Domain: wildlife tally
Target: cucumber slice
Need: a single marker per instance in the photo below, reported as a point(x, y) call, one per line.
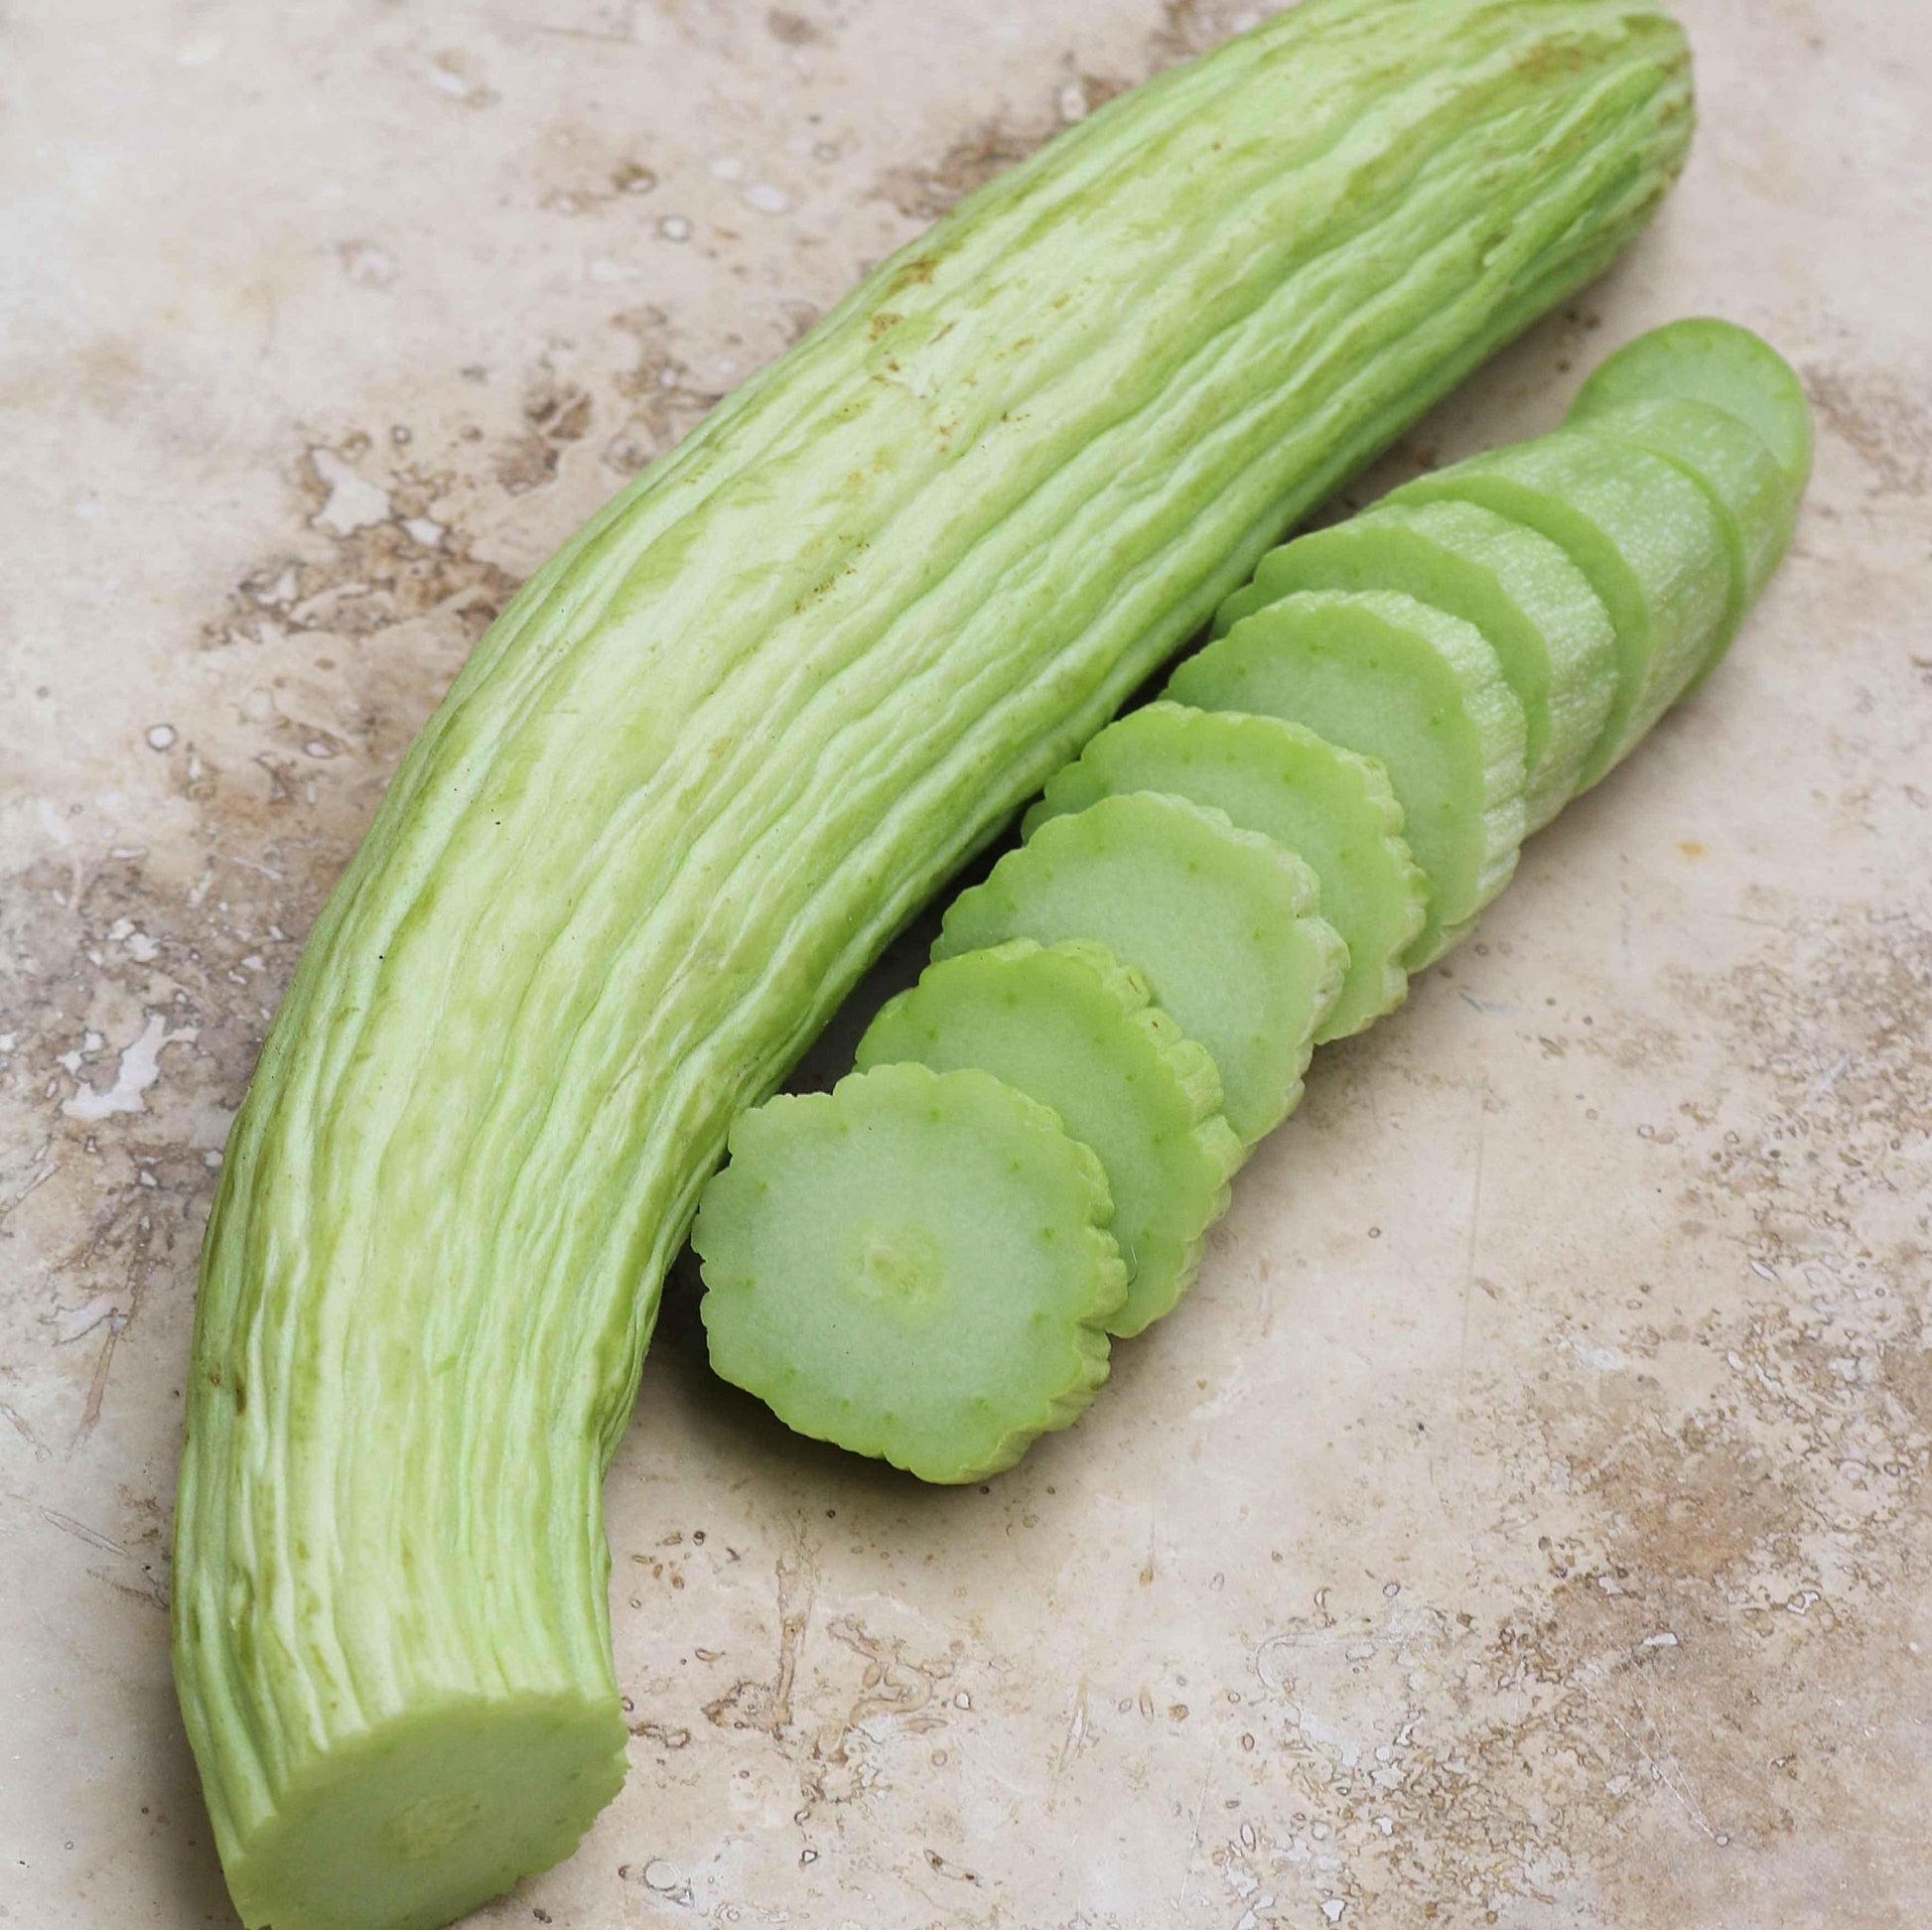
point(1756, 504)
point(1645, 535)
point(914, 1265)
point(1704, 359)
point(1388, 677)
point(1073, 1027)
point(1222, 922)
point(1548, 626)
point(1334, 810)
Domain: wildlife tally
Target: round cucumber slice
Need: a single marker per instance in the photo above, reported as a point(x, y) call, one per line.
point(1548, 626)
point(1391, 678)
point(914, 1265)
point(1073, 1027)
point(1645, 535)
point(1326, 805)
point(1705, 359)
point(1222, 924)
point(1756, 506)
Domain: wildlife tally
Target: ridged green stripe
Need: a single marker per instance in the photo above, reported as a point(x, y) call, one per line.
point(722, 747)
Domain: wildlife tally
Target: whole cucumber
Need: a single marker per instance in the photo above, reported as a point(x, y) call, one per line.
point(704, 766)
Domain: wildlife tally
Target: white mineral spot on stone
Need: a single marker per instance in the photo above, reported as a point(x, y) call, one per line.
point(447, 81)
point(674, 227)
point(1664, 1640)
point(766, 198)
point(367, 265)
point(728, 167)
point(661, 1875)
point(161, 736)
point(319, 747)
point(8, 1040)
point(203, 51)
point(424, 529)
point(1073, 102)
point(1333, 1908)
point(606, 269)
point(140, 1068)
point(353, 502)
point(88, 510)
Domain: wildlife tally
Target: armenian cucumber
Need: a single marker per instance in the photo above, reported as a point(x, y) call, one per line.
point(1415, 688)
point(692, 781)
point(1331, 807)
point(916, 1265)
point(1222, 924)
point(1549, 628)
point(1645, 535)
point(1072, 1026)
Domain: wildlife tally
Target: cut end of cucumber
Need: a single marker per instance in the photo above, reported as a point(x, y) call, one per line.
point(914, 1266)
point(1705, 359)
point(430, 1815)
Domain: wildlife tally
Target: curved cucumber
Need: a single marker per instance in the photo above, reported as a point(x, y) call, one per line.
point(1417, 690)
point(1325, 804)
point(1704, 359)
point(687, 787)
point(1645, 535)
point(1073, 1027)
point(1548, 626)
point(1222, 924)
point(1757, 507)
point(914, 1265)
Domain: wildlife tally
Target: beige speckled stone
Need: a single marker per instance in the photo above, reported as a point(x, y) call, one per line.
point(1525, 1523)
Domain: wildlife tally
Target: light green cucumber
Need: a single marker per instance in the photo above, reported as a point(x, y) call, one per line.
point(1549, 628)
point(1705, 359)
point(1222, 924)
point(1756, 508)
point(1417, 690)
point(716, 753)
point(914, 1265)
point(1072, 1026)
point(1331, 807)
point(1646, 536)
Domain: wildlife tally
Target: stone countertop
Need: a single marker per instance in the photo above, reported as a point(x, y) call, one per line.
point(1524, 1523)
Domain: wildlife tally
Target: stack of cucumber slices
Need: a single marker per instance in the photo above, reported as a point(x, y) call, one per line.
point(927, 1263)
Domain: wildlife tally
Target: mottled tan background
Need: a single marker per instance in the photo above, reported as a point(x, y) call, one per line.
point(1526, 1521)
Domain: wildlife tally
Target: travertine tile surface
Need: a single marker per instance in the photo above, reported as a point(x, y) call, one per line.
point(1525, 1523)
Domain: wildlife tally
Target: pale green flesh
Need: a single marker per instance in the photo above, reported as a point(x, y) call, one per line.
point(1549, 628)
point(1072, 1028)
point(1415, 689)
point(709, 761)
point(1758, 509)
point(1331, 807)
point(1645, 535)
point(1222, 922)
point(1704, 359)
point(914, 1265)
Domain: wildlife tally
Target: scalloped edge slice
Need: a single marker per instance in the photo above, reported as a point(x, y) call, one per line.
point(1222, 922)
point(1331, 807)
point(1549, 628)
point(1704, 358)
point(1072, 1026)
point(1421, 691)
point(914, 1266)
point(1646, 536)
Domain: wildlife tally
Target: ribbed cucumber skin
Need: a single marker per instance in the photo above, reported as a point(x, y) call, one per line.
point(714, 756)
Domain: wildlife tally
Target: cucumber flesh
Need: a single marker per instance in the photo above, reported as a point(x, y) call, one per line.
point(1548, 626)
point(1332, 808)
point(1222, 922)
point(1645, 535)
point(916, 1265)
point(1756, 506)
point(1704, 359)
point(1073, 1027)
point(1391, 678)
